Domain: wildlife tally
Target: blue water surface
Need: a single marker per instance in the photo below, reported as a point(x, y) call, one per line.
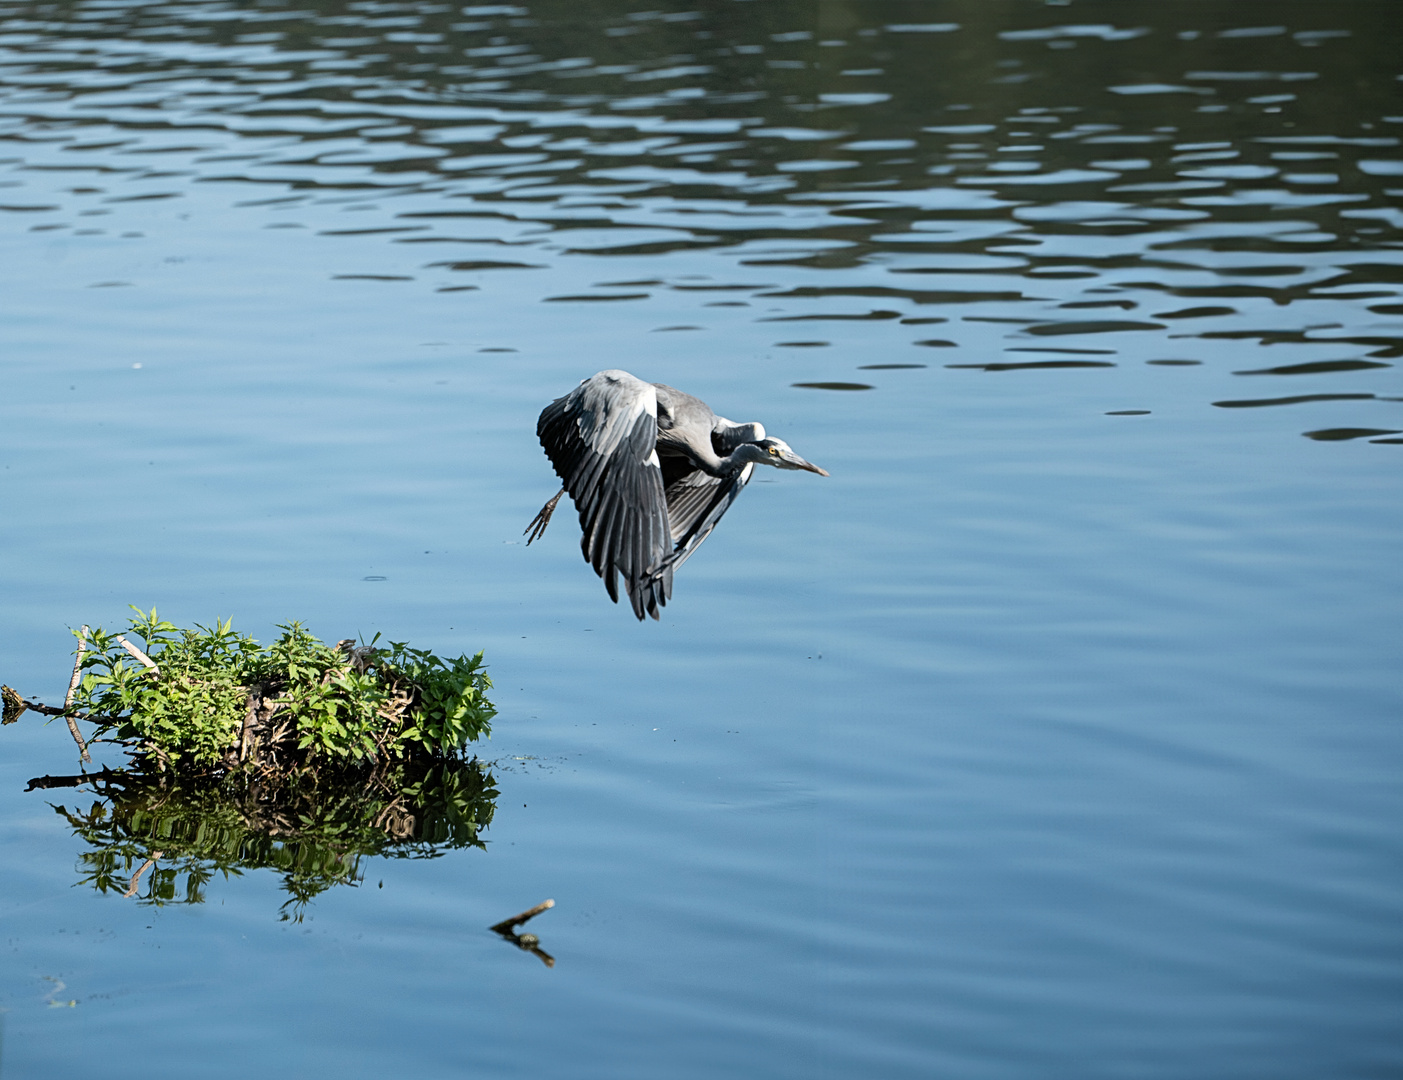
point(1055, 734)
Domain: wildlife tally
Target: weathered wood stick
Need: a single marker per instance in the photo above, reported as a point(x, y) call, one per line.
point(141, 657)
point(73, 689)
point(77, 666)
point(507, 926)
point(46, 782)
point(18, 704)
point(255, 702)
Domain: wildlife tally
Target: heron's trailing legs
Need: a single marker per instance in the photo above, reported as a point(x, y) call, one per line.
point(541, 520)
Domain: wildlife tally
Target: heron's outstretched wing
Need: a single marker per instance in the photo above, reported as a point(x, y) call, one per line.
point(602, 438)
point(696, 502)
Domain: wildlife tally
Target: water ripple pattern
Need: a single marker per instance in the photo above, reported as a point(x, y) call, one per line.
point(823, 172)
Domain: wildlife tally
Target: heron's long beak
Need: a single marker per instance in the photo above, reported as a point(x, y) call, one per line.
point(794, 461)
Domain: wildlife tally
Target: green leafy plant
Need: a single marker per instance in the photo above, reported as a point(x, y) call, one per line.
point(210, 697)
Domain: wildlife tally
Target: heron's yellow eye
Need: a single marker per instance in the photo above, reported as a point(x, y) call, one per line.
point(774, 450)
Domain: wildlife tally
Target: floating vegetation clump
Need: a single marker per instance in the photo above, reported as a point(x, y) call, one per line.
point(212, 701)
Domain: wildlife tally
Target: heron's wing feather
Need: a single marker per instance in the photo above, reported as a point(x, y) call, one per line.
point(688, 500)
point(602, 438)
point(695, 504)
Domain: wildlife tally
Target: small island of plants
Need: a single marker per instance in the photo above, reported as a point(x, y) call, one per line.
point(212, 701)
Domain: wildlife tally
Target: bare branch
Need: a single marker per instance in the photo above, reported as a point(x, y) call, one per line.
point(251, 724)
point(529, 942)
point(73, 689)
point(141, 657)
point(46, 782)
point(77, 666)
point(14, 704)
point(508, 926)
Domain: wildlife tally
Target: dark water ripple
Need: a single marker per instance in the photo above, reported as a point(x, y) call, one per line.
point(1022, 163)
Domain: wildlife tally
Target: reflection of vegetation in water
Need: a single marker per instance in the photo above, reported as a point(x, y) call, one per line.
point(164, 841)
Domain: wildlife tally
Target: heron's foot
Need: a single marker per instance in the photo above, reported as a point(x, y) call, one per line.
point(541, 520)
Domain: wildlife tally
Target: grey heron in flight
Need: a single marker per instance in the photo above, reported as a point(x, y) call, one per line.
point(651, 471)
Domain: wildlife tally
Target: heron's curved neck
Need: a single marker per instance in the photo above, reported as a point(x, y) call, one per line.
point(743, 455)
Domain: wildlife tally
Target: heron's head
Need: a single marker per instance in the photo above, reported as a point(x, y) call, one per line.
point(776, 452)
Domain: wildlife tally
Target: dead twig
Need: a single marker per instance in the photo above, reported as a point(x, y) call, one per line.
point(136, 878)
point(251, 724)
point(77, 667)
point(14, 705)
point(19, 704)
point(162, 759)
point(527, 942)
point(141, 657)
point(508, 926)
point(73, 689)
point(45, 782)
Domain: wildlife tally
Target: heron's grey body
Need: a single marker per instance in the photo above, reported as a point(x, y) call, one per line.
point(651, 471)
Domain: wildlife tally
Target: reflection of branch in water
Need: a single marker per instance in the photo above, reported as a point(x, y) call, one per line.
point(530, 942)
point(506, 926)
point(136, 878)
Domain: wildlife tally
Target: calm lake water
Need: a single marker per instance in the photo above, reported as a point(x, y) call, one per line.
point(1056, 734)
